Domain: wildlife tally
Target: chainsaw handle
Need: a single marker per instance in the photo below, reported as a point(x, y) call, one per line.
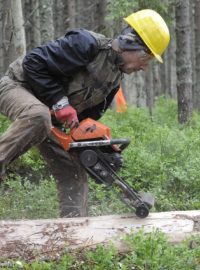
point(123, 142)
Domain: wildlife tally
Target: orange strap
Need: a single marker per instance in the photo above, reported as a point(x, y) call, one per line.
point(121, 105)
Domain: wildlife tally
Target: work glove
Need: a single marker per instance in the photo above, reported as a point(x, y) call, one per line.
point(65, 113)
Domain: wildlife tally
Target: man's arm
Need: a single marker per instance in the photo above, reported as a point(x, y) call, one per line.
point(45, 66)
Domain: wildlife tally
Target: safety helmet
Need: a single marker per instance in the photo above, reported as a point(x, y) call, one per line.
point(152, 29)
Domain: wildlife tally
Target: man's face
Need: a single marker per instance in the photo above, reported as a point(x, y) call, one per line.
point(134, 61)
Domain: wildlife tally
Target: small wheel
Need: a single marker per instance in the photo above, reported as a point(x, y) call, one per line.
point(142, 211)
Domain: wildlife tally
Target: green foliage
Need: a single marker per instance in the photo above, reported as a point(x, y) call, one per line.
point(32, 159)
point(153, 252)
point(122, 8)
point(105, 200)
point(145, 252)
point(119, 9)
point(4, 123)
point(67, 261)
point(19, 198)
point(101, 258)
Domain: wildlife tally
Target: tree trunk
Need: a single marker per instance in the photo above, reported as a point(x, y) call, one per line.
point(59, 18)
point(19, 39)
point(100, 15)
point(9, 53)
point(196, 93)
point(35, 22)
point(90, 14)
point(163, 74)
point(171, 62)
point(13, 33)
point(86, 12)
point(135, 89)
point(1, 39)
point(28, 27)
point(149, 90)
point(72, 13)
point(31, 239)
point(46, 21)
point(172, 69)
point(183, 61)
point(32, 23)
point(156, 83)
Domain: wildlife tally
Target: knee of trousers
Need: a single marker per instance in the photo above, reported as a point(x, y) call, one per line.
point(38, 116)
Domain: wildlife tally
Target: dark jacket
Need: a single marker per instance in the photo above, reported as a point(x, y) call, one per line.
point(45, 66)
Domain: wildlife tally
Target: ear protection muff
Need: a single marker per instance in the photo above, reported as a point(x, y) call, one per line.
point(129, 42)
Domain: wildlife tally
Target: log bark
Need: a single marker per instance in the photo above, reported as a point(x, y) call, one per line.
point(31, 239)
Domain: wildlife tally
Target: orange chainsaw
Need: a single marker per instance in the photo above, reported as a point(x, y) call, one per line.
point(101, 157)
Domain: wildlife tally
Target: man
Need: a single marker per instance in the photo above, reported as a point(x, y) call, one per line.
point(76, 76)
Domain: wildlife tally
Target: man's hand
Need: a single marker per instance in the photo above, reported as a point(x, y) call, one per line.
point(65, 113)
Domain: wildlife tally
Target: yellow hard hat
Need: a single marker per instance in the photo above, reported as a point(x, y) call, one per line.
point(152, 29)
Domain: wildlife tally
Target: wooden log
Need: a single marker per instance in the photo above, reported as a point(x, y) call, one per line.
point(30, 239)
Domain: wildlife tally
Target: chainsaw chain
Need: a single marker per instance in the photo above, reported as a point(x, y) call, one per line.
point(103, 170)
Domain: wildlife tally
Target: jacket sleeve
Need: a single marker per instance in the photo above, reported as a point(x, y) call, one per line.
point(45, 66)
